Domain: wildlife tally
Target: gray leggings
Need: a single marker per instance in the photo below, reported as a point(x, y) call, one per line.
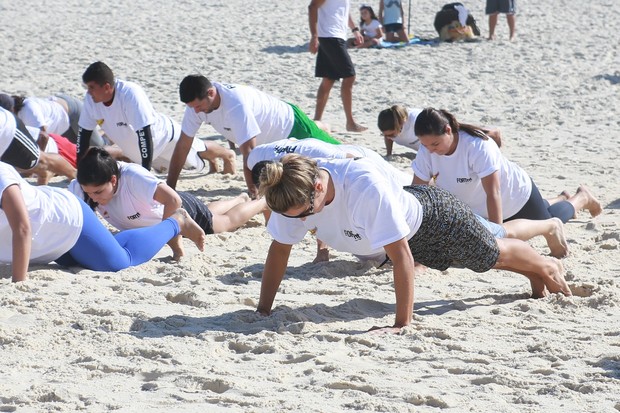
point(75, 108)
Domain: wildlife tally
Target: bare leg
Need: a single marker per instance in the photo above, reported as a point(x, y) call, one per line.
point(346, 93)
point(512, 26)
point(584, 199)
point(54, 163)
point(116, 152)
point(215, 152)
point(237, 215)
point(552, 229)
point(323, 126)
point(492, 25)
point(321, 98)
point(402, 36)
point(224, 205)
point(562, 196)
point(176, 244)
point(517, 256)
point(189, 228)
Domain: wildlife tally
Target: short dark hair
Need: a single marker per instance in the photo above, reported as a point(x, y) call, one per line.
point(99, 73)
point(257, 171)
point(6, 102)
point(194, 87)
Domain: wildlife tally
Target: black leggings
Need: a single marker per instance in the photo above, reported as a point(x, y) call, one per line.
point(538, 208)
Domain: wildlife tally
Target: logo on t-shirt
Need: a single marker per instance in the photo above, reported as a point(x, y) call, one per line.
point(119, 124)
point(463, 180)
point(352, 234)
point(284, 149)
point(134, 216)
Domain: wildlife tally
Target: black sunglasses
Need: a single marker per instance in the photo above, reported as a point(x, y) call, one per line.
point(307, 212)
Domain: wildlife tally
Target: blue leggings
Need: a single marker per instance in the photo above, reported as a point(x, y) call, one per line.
point(538, 208)
point(97, 249)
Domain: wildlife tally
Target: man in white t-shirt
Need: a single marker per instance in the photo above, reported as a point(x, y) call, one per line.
point(242, 114)
point(328, 20)
point(123, 110)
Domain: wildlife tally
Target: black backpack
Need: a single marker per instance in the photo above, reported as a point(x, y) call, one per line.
point(449, 13)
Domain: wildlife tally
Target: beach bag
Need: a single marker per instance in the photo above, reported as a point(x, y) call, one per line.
point(454, 22)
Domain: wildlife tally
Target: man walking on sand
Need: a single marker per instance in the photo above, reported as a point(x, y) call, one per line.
point(328, 21)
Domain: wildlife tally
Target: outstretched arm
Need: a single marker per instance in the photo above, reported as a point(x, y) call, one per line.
point(83, 142)
point(171, 201)
point(245, 149)
point(145, 145)
point(313, 18)
point(181, 149)
point(275, 267)
point(491, 186)
point(19, 221)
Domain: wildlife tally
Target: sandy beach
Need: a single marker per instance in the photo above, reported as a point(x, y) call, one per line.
point(184, 337)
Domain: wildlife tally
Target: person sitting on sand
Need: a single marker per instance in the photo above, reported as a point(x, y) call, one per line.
point(356, 207)
point(463, 160)
point(42, 224)
point(243, 115)
point(128, 196)
point(129, 120)
point(372, 31)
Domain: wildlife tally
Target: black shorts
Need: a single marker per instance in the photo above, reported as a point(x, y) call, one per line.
point(23, 152)
point(392, 27)
point(198, 210)
point(333, 60)
point(501, 6)
point(450, 234)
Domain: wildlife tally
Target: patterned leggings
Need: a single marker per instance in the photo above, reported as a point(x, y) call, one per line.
point(450, 234)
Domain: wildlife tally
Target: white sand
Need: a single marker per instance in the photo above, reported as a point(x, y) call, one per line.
point(164, 337)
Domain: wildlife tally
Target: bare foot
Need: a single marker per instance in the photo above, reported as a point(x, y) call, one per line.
point(189, 228)
point(592, 204)
point(323, 126)
point(556, 239)
point(322, 255)
point(491, 37)
point(556, 282)
point(229, 163)
point(354, 127)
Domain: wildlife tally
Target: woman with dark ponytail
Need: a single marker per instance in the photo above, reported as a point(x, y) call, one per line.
point(128, 196)
point(463, 160)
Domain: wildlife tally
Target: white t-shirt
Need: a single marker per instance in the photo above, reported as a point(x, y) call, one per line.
point(315, 149)
point(461, 172)
point(333, 19)
point(55, 219)
point(38, 112)
point(407, 136)
point(129, 112)
point(7, 129)
point(370, 30)
point(132, 206)
point(310, 147)
point(244, 113)
point(369, 210)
